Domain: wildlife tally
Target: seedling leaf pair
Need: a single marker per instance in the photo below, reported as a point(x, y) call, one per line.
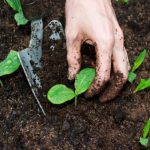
point(10, 64)
point(139, 60)
point(60, 93)
point(144, 139)
point(19, 17)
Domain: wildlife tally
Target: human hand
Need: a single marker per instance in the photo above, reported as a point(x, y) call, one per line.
point(95, 22)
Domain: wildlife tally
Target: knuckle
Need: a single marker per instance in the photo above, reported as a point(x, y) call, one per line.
point(108, 40)
point(119, 35)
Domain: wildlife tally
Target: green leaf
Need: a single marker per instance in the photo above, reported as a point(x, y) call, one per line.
point(146, 129)
point(139, 60)
point(84, 80)
point(144, 141)
point(143, 85)
point(60, 94)
point(20, 19)
point(10, 64)
point(131, 77)
point(15, 4)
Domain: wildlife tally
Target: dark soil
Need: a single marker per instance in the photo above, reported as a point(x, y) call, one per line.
point(116, 125)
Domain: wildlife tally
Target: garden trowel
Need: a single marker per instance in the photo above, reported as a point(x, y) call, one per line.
point(30, 58)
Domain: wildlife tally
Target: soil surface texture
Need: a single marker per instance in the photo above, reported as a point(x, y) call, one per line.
point(116, 125)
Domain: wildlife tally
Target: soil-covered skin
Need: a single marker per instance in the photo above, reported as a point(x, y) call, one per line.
point(116, 125)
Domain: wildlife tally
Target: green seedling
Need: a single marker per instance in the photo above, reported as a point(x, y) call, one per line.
point(143, 85)
point(10, 64)
point(139, 60)
point(19, 17)
point(144, 139)
point(131, 76)
point(60, 93)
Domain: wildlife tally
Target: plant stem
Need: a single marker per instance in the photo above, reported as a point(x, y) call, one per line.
point(76, 101)
point(1, 83)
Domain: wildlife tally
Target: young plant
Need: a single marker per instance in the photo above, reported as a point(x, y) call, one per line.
point(19, 17)
point(139, 60)
point(60, 93)
point(143, 85)
point(10, 64)
point(144, 139)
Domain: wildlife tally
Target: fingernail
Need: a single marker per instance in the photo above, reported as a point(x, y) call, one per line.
point(70, 77)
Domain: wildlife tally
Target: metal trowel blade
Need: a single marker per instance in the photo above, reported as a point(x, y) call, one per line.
point(29, 70)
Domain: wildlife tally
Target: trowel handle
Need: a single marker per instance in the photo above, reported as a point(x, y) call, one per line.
point(36, 41)
point(36, 33)
point(33, 9)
